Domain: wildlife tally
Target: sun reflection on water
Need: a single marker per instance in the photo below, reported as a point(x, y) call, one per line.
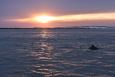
point(45, 34)
point(47, 64)
point(46, 51)
point(44, 54)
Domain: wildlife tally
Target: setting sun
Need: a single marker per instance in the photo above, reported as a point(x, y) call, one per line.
point(44, 19)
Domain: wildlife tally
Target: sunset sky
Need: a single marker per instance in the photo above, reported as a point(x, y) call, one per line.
point(56, 13)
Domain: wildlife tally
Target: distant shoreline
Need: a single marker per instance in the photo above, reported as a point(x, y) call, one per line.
point(82, 27)
point(49, 28)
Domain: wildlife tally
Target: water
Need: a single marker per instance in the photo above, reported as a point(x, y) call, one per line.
point(57, 53)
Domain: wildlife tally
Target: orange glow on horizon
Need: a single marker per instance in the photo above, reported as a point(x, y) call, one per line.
point(66, 18)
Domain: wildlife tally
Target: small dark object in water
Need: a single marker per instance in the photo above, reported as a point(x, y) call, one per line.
point(93, 47)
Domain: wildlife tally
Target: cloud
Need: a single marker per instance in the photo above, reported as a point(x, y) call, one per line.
point(69, 18)
point(87, 17)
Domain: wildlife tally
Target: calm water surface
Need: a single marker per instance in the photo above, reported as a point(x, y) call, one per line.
point(57, 53)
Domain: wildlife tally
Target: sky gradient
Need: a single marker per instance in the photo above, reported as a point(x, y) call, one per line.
point(12, 9)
